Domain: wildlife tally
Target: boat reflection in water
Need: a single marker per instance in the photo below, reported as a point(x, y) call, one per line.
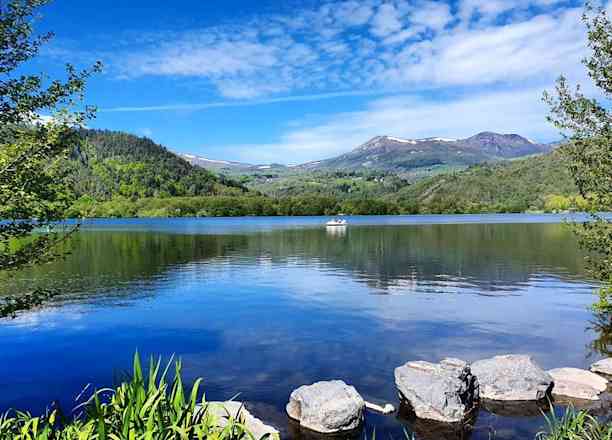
point(336, 227)
point(336, 231)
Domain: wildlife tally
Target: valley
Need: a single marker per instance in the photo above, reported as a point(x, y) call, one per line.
point(116, 174)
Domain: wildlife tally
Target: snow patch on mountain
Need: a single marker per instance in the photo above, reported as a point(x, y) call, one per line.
point(403, 141)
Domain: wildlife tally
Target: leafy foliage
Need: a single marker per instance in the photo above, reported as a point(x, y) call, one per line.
point(589, 150)
point(33, 150)
point(145, 407)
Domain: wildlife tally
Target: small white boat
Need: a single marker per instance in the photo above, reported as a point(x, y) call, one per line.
point(336, 222)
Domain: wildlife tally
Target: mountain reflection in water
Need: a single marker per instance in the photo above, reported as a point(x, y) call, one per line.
point(262, 310)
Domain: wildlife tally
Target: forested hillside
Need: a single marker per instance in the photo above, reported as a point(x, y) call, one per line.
point(116, 174)
point(339, 184)
point(112, 164)
point(535, 183)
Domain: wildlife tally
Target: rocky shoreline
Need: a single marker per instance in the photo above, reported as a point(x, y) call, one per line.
point(445, 395)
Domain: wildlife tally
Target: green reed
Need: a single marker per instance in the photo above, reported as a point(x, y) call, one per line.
point(575, 425)
point(145, 407)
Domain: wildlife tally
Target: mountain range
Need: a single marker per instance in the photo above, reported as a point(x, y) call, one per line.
point(393, 154)
point(118, 174)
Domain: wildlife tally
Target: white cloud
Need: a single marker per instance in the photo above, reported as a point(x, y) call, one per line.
point(496, 55)
point(433, 15)
point(353, 13)
point(404, 35)
point(193, 58)
point(369, 44)
point(247, 88)
point(386, 21)
point(539, 48)
point(409, 116)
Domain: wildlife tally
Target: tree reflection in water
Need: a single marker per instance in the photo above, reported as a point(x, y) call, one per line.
point(601, 325)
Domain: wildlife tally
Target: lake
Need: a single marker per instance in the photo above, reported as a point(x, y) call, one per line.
point(260, 306)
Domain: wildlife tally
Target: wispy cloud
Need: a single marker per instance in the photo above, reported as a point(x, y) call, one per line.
point(431, 67)
point(350, 45)
point(248, 103)
point(409, 116)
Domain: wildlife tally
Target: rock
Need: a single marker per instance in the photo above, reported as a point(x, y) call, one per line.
point(385, 409)
point(237, 410)
point(327, 407)
point(445, 392)
point(603, 366)
point(512, 377)
point(577, 383)
point(432, 430)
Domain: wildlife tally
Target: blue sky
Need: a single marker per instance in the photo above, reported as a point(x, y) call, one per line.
point(293, 81)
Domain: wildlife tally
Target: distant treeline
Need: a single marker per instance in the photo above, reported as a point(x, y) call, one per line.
point(257, 205)
point(227, 206)
point(115, 174)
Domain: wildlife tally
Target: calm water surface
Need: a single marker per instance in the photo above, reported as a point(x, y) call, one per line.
point(261, 306)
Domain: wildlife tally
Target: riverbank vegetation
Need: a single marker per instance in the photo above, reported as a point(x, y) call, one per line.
point(575, 425)
point(146, 406)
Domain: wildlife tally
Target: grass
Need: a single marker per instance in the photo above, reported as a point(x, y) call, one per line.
point(141, 408)
point(575, 425)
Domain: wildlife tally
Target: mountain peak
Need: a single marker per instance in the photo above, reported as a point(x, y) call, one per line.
point(391, 153)
point(490, 136)
point(378, 141)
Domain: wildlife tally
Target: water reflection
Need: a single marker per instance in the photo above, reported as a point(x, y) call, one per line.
point(430, 430)
point(601, 324)
point(263, 311)
point(489, 259)
point(336, 231)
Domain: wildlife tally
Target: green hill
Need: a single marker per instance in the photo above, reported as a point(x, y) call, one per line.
point(112, 164)
point(116, 174)
point(534, 183)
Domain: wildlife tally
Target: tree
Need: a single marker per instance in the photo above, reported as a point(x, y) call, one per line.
point(587, 125)
point(34, 192)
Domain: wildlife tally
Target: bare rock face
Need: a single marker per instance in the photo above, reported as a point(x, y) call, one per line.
point(603, 366)
point(445, 392)
point(512, 377)
point(577, 383)
point(327, 407)
point(237, 411)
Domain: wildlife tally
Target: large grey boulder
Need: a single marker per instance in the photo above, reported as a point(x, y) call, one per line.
point(445, 392)
point(603, 366)
point(512, 377)
point(327, 407)
point(237, 411)
point(578, 384)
